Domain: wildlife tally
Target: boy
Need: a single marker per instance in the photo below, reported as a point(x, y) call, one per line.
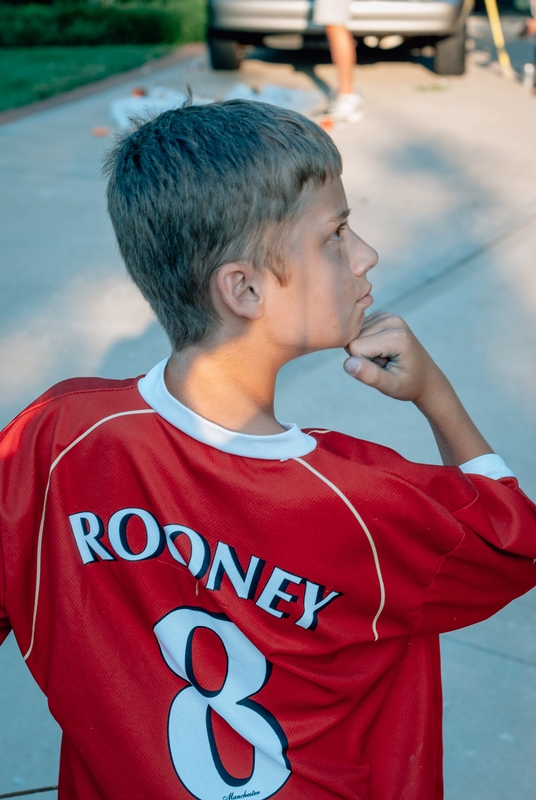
point(216, 604)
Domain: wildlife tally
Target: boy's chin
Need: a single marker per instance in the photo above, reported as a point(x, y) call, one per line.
point(342, 343)
point(355, 335)
point(340, 340)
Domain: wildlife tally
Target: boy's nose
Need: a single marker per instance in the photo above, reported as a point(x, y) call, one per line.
point(364, 260)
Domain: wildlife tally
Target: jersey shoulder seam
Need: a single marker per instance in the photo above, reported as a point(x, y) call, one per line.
point(401, 478)
point(49, 400)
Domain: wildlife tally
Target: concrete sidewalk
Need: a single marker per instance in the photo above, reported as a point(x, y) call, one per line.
point(442, 181)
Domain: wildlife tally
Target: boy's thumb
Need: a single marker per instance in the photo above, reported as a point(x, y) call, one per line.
point(352, 365)
point(364, 370)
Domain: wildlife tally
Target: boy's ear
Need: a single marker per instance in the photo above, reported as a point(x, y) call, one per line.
point(239, 287)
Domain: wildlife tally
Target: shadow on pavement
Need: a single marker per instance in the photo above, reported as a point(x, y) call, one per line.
point(306, 58)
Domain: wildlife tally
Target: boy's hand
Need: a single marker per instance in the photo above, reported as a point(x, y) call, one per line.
point(387, 356)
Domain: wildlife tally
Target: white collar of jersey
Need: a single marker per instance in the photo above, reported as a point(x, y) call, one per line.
point(293, 443)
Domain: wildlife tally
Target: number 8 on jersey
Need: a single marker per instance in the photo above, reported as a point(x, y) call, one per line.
point(191, 740)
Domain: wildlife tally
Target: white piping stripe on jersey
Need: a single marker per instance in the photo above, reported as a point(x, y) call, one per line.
point(367, 534)
point(42, 525)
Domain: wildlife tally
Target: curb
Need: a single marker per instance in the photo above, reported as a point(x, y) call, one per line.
point(184, 53)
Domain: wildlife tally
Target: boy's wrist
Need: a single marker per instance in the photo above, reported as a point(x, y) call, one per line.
point(457, 437)
point(437, 397)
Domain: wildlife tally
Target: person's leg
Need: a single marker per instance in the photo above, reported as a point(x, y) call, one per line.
point(334, 16)
point(347, 106)
point(342, 47)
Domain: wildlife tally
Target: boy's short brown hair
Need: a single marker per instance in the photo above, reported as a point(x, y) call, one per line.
point(204, 185)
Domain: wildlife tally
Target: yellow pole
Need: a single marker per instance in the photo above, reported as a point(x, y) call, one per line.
point(498, 38)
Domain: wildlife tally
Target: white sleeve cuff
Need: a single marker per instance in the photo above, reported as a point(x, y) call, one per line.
point(490, 466)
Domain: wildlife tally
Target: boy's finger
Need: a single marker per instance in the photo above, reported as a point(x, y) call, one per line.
point(381, 361)
point(375, 316)
point(381, 319)
point(368, 372)
point(379, 345)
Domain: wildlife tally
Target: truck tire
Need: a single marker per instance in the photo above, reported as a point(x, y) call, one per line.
point(450, 54)
point(224, 53)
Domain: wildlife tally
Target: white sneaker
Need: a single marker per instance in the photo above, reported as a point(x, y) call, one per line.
point(346, 108)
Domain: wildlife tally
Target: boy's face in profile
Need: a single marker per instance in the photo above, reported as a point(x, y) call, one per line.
point(327, 292)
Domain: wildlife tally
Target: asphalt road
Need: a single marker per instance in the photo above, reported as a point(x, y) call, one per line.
point(441, 177)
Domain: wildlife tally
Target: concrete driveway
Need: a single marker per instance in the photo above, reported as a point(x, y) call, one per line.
point(441, 177)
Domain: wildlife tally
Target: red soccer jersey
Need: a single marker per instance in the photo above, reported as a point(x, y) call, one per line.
point(222, 616)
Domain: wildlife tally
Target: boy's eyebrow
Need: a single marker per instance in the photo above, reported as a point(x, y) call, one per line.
point(341, 216)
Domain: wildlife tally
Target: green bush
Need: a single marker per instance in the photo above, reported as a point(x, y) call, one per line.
point(33, 25)
point(28, 74)
point(522, 5)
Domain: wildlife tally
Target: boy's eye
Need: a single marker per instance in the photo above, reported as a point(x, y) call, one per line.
point(337, 235)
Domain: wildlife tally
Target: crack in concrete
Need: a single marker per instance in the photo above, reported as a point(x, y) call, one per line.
point(447, 271)
point(489, 650)
point(27, 792)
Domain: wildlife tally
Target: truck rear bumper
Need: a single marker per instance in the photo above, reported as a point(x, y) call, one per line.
point(404, 17)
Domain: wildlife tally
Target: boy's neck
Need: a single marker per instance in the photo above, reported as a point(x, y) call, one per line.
point(228, 385)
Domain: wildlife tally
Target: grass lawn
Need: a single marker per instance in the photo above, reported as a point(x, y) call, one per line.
point(33, 73)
